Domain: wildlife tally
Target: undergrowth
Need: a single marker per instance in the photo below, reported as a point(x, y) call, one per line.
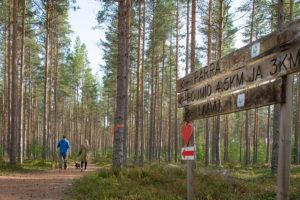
point(168, 182)
point(27, 167)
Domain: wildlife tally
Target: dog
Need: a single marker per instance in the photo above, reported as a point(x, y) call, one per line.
point(77, 165)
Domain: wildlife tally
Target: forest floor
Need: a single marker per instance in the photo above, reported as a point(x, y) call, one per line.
point(42, 184)
point(168, 181)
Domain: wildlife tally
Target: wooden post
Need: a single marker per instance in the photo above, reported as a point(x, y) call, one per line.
point(283, 172)
point(190, 190)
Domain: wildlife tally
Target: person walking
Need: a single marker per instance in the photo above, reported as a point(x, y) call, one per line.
point(63, 146)
point(83, 154)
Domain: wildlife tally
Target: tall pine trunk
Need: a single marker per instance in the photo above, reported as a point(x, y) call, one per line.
point(45, 118)
point(226, 133)
point(176, 146)
point(247, 142)
point(14, 91)
point(142, 87)
point(209, 41)
point(219, 55)
point(122, 81)
point(187, 37)
point(255, 136)
point(297, 126)
point(137, 115)
point(268, 135)
point(21, 95)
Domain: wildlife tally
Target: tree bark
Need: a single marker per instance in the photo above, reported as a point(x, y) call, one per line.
point(170, 102)
point(209, 41)
point(297, 126)
point(255, 136)
point(14, 93)
point(276, 121)
point(187, 37)
point(291, 10)
point(45, 118)
point(247, 143)
point(193, 37)
point(268, 135)
point(122, 81)
point(21, 101)
point(142, 86)
point(219, 55)
point(137, 117)
point(176, 146)
point(226, 132)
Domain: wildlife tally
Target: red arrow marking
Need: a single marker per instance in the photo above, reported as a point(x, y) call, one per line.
point(188, 153)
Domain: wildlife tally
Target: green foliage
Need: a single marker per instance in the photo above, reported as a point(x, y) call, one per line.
point(27, 167)
point(169, 182)
point(35, 149)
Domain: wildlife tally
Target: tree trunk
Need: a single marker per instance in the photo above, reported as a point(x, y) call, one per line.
point(193, 37)
point(209, 41)
point(152, 91)
point(268, 135)
point(14, 94)
point(276, 121)
point(206, 142)
point(137, 117)
point(255, 136)
point(125, 135)
point(122, 81)
point(226, 130)
point(161, 102)
point(170, 102)
point(247, 143)
point(45, 119)
point(142, 86)
point(55, 132)
point(21, 101)
point(291, 14)
point(240, 131)
point(297, 125)
point(219, 55)
point(176, 146)
point(5, 103)
point(187, 37)
point(275, 145)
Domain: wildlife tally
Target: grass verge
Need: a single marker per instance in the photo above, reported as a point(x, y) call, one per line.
point(27, 167)
point(168, 182)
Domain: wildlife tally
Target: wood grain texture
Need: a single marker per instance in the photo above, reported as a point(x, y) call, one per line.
point(269, 44)
point(256, 97)
point(273, 66)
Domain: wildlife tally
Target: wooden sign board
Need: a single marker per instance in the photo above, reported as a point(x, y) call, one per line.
point(269, 44)
point(266, 94)
point(269, 67)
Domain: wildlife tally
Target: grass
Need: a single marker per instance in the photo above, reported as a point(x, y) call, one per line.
point(168, 182)
point(27, 167)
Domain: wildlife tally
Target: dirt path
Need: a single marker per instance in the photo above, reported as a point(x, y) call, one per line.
point(47, 185)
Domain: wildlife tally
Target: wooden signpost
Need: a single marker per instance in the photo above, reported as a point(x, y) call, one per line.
point(251, 77)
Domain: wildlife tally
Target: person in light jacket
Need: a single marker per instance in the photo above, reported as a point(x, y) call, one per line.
point(83, 154)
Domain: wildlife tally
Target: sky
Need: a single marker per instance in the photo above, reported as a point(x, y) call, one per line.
point(84, 19)
point(82, 22)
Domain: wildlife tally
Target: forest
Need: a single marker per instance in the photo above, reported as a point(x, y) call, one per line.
point(130, 113)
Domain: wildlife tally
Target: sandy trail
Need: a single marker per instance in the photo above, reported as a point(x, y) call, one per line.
point(46, 185)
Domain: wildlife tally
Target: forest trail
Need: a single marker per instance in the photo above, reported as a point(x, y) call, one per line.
point(46, 185)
